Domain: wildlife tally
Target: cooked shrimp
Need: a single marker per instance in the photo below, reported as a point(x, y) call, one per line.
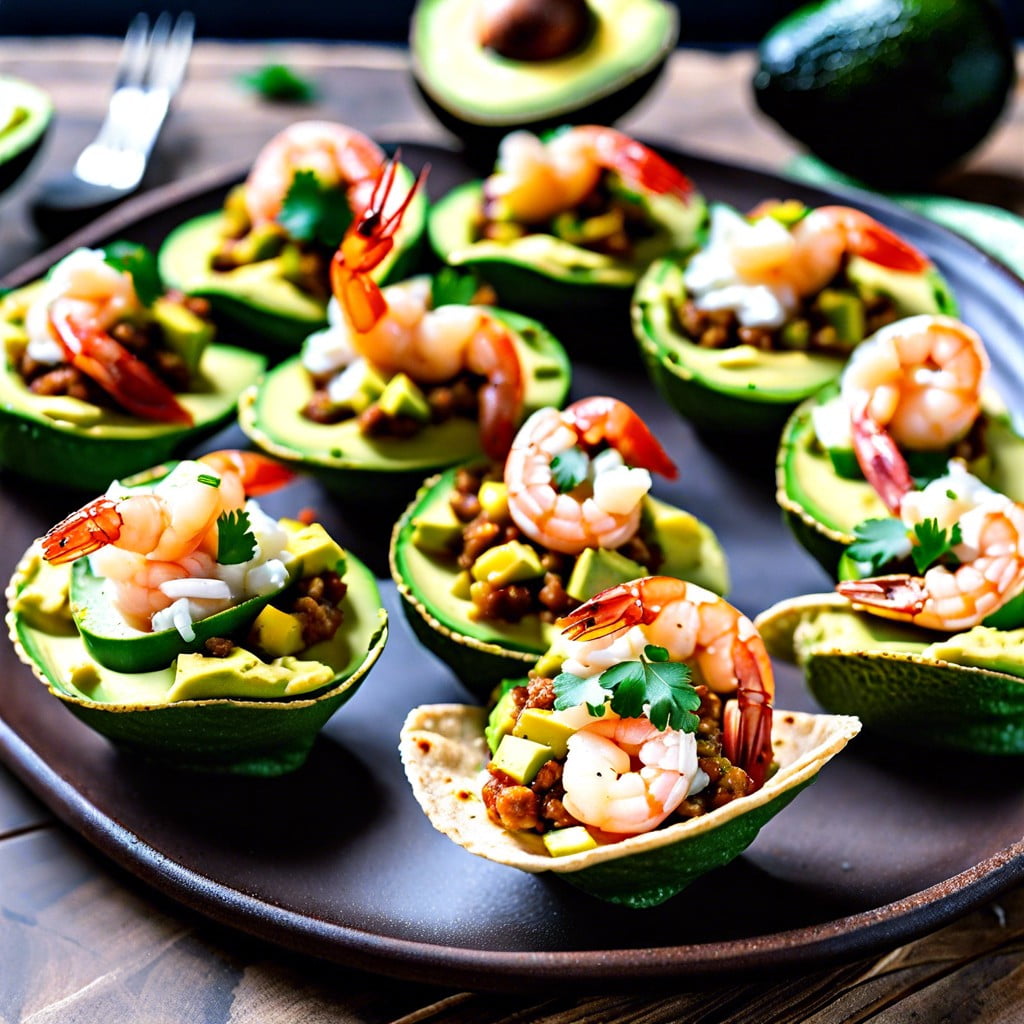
point(605, 791)
point(396, 331)
point(603, 511)
point(540, 178)
point(69, 322)
point(721, 646)
point(336, 154)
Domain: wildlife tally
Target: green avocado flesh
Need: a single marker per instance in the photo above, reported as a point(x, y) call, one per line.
point(482, 652)
point(744, 389)
point(263, 727)
point(629, 39)
point(63, 440)
point(257, 296)
point(25, 115)
point(541, 271)
point(823, 508)
point(963, 692)
point(348, 461)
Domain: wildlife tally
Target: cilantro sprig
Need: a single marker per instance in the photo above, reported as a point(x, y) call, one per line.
point(654, 685)
point(933, 543)
point(140, 262)
point(313, 211)
point(279, 83)
point(881, 542)
point(569, 469)
point(235, 540)
point(448, 287)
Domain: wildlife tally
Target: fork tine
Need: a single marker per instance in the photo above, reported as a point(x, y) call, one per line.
point(132, 60)
point(174, 60)
point(156, 47)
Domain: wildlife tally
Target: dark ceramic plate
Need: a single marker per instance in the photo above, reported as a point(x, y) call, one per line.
point(338, 861)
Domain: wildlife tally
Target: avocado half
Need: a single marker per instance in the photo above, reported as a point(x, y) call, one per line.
point(25, 115)
point(480, 96)
point(65, 441)
point(444, 751)
point(257, 297)
point(822, 508)
point(744, 390)
point(389, 468)
point(960, 692)
point(544, 274)
point(243, 733)
point(483, 653)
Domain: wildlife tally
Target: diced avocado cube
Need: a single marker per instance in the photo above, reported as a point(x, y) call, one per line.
point(317, 549)
point(277, 632)
point(549, 664)
point(493, 497)
point(462, 588)
point(501, 720)
point(403, 397)
point(844, 462)
point(597, 569)
point(356, 387)
point(678, 535)
point(436, 530)
point(560, 842)
point(507, 563)
point(844, 311)
point(521, 759)
point(67, 409)
point(787, 212)
point(795, 335)
point(260, 243)
point(542, 726)
point(184, 331)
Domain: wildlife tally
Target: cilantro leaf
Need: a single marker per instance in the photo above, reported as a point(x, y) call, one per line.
point(235, 541)
point(140, 262)
point(569, 468)
point(450, 288)
point(671, 696)
point(313, 211)
point(627, 683)
point(571, 691)
point(279, 83)
point(933, 543)
point(879, 541)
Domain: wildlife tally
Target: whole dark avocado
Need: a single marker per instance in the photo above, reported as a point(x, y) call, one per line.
point(890, 91)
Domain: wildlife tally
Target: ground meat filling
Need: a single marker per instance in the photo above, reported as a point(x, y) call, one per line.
point(544, 596)
point(145, 341)
point(808, 330)
point(538, 807)
point(611, 220)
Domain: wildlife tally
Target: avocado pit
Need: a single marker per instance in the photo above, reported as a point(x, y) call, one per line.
point(533, 30)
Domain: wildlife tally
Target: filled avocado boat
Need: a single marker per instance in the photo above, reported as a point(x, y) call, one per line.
point(486, 560)
point(567, 221)
point(25, 115)
point(405, 380)
point(263, 261)
point(106, 373)
point(645, 753)
point(766, 313)
point(912, 398)
point(486, 68)
point(177, 618)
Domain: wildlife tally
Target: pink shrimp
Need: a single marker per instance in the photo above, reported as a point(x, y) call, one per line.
point(603, 512)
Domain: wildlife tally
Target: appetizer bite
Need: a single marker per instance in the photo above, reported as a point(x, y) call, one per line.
point(180, 620)
point(106, 373)
point(487, 557)
point(766, 313)
point(486, 67)
point(569, 220)
point(912, 398)
point(648, 735)
point(263, 261)
point(407, 379)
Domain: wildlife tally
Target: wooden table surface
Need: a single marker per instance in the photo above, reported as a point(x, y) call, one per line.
point(83, 943)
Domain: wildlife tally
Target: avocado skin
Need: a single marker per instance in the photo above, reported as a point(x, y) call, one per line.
point(890, 97)
point(24, 141)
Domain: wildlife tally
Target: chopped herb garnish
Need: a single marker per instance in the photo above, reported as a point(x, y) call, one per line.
point(448, 287)
point(137, 260)
point(210, 481)
point(950, 494)
point(235, 541)
point(656, 686)
point(279, 83)
point(313, 211)
point(569, 468)
point(879, 542)
point(933, 543)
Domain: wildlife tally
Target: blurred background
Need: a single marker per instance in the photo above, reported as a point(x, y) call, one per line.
point(722, 23)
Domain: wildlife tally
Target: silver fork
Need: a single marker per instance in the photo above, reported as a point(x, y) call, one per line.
point(149, 72)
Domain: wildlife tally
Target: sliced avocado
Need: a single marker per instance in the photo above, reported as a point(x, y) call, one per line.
point(501, 719)
point(493, 496)
point(844, 311)
point(258, 296)
point(744, 389)
point(507, 563)
point(596, 569)
point(184, 332)
point(314, 548)
point(402, 397)
point(521, 759)
point(25, 115)
point(438, 532)
point(822, 507)
point(544, 727)
point(358, 386)
point(562, 842)
point(480, 95)
point(543, 273)
point(276, 632)
point(351, 463)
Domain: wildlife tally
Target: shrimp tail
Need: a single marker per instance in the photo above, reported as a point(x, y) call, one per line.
point(747, 723)
point(600, 418)
point(867, 238)
point(258, 474)
point(620, 607)
point(898, 596)
point(639, 165)
point(880, 459)
point(92, 527)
